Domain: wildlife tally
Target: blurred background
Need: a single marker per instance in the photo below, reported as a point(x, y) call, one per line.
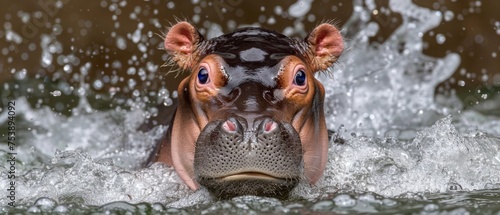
point(115, 46)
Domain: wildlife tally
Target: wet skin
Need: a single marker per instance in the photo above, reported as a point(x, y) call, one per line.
point(249, 119)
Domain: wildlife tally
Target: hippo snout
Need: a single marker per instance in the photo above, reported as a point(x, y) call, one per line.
point(234, 157)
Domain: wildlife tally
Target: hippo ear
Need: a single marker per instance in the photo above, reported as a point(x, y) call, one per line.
point(326, 45)
point(181, 43)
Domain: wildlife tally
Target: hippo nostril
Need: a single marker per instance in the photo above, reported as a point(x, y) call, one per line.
point(268, 125)
point(230, 125)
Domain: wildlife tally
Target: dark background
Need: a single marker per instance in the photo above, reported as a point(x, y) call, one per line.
point(89, 31)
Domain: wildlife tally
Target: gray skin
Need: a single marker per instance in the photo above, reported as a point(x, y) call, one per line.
point(252, 56)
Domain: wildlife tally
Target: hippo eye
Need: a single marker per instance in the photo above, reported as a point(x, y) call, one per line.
point(203, 75)
point(300, 78)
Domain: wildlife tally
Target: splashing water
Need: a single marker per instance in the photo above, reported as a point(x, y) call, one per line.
point(395, 89)
point(403, 152)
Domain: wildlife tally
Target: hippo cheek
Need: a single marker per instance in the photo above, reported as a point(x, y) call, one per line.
point(314, 138)
point(230, 161)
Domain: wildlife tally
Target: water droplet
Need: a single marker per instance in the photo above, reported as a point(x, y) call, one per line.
point(453, 186)
point(131, 71)
point(67, 68)
point(461, 83)
point(34, 209)
point(299, 8)
point(136, 36)
point(171, 5)
point(121, 43)
point(344, 200)
point(322, 205)
point(431, 207)
point(136, 93)
point(20, 75)
point(56, 93)
point(484, 77)
point(389, 202)
point(479, 39)
point(131, 83)
point(448, 15)
point(97, 84)
point(45, 203)
point(158, 207)
point(440, 38)
point(46, 58)
point(60, 209)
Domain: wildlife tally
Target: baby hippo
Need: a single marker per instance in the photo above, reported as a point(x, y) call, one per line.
point(250, 118)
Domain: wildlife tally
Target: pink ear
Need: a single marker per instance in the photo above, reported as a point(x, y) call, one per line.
point(180, 42)
point(326, 45)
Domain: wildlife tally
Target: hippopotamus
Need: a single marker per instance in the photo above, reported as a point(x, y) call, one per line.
point(249, 118)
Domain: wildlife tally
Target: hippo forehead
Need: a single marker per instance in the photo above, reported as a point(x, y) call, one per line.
point(253, 54)
point(254, 48)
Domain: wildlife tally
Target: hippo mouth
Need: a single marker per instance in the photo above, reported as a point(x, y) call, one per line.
point(250, 176)
point(233, 160)
point(249, 183)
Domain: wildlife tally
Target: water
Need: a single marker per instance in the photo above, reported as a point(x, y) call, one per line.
point(405, 150)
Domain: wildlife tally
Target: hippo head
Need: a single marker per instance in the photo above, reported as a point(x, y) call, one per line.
point(250, 116)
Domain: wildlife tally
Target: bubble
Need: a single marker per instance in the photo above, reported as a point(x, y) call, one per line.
point(131, 83)
point(133, 16)
point(13, 37)
point(61, 209)
point(136, 36)
point(440, 38)
point(136, 93)
point(56, 93)
point(67, 68)
point(322, 205)
point(271, 20)
point(45, 203)
point(453, 186)
point(484, 77)
point(170, 5)
point(157, 207)
point(479, 39)
point(431, 207)
point(344, 200)
point(278, 10)
point(21, 75)
point(46, 58)
point(131, 71)
point(389, 202)
point(97, 84)
point(142, 48)
point(196, 18)
point(34, 209)
point(57, 29)
point(448, 15)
